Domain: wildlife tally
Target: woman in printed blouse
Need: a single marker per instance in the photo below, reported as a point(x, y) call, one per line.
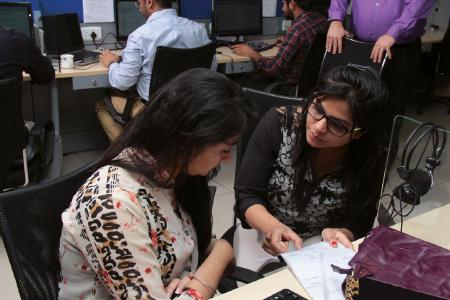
point(317, 171)
point(140, 226)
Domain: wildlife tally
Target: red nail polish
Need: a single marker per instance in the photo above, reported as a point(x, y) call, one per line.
point(334, 243)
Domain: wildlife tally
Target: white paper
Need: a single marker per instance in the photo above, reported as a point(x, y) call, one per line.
point(269, 8)
point(98, 11)
point(312, 268)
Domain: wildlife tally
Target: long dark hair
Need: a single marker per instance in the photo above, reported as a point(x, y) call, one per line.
point(364, 161)
point(196, 109)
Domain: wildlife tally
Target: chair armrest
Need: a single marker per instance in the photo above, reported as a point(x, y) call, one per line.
point(274, 87)
point(245, 275)
point(43, 135)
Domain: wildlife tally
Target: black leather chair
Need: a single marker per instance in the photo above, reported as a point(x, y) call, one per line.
point(26, 154)
point(169, 62)
point(263, 102)
point(12, 128)
point(308, 74)
point(353, 52)
point(30, 225)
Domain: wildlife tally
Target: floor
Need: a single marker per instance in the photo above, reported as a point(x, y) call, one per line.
point(224, 199)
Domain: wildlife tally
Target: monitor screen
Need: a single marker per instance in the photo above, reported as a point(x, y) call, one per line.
point(62, 33)
point(195, 9)
point(17, 16)
point(237, 17)
point(128, 18)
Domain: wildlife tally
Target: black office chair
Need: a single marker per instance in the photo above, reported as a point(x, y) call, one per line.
point(169, 62)
point(25, 153)
point(353, 52)
point(308, 74)
point(441, 72)
point(263, 102)
point(30, 225)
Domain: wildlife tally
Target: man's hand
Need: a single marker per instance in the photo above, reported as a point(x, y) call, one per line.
point(277, 240)
point(335, 34)
point(246, 50)
point(107, 58)
point(384, 43)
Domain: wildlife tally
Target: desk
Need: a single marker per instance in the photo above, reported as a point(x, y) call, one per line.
point(432, 37)
point(431, 226)
point(95, 76)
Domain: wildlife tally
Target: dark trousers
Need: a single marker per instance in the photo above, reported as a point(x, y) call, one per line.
point(400, 74)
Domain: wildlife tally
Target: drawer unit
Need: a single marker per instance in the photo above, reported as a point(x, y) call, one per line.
point(90, 82)
point(239, 67)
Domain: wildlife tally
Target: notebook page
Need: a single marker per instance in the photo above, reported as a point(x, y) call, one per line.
point(312, 268)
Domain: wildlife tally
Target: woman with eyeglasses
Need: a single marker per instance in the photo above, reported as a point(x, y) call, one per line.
point(317, 171)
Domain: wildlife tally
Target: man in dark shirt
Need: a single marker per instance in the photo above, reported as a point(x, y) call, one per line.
point(18, 54)
point(287, 64)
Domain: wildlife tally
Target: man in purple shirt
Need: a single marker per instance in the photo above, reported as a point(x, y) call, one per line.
point(395, 26)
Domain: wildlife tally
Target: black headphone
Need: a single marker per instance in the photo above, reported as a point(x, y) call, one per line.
point(417, 182)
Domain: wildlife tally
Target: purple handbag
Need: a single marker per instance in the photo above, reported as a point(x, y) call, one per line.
point(394, 265)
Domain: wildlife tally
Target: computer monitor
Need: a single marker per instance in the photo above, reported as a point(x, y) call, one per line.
point(62, 33)
point(17, 16)
point(128, 18)
point(195, 9)
point(237, 17)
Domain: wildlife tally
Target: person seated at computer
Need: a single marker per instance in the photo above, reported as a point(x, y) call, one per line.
point(140, 226)
point(317, 171)
point(19, 54)
point(163, 28)
point(287, 64)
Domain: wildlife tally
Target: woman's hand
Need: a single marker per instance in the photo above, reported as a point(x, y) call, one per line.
point(338, 235)
point(177, 285)
point(277, 240)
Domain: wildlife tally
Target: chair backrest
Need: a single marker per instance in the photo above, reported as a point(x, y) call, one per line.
point(264, 102)
point(444, 56)
point(354, 52)
point(311, 66)
point(169, 62)
point(12, 128)
point(30, 224)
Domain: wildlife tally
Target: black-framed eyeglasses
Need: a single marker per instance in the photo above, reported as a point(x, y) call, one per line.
point(334, 125)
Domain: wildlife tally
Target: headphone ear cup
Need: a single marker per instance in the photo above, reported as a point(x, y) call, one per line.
point(403, 172)
point(418, 184)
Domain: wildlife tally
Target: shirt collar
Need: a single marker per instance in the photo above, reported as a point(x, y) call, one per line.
point(162, 13)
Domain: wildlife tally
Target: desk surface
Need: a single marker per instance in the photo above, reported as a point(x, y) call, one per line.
point(431, 226)
point(226, 56)
point(431, 37)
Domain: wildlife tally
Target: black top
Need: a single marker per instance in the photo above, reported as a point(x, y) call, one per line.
point(19, 53)
point(266, 177)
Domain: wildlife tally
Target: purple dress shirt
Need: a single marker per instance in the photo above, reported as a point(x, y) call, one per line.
point(404, 20)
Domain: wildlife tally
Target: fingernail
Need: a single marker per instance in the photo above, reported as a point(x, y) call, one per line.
point(333, 243)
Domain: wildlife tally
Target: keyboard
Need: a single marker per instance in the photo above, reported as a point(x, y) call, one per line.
point(259, 45)
point(285, 294)
point(84, 57)
point(255, 45)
